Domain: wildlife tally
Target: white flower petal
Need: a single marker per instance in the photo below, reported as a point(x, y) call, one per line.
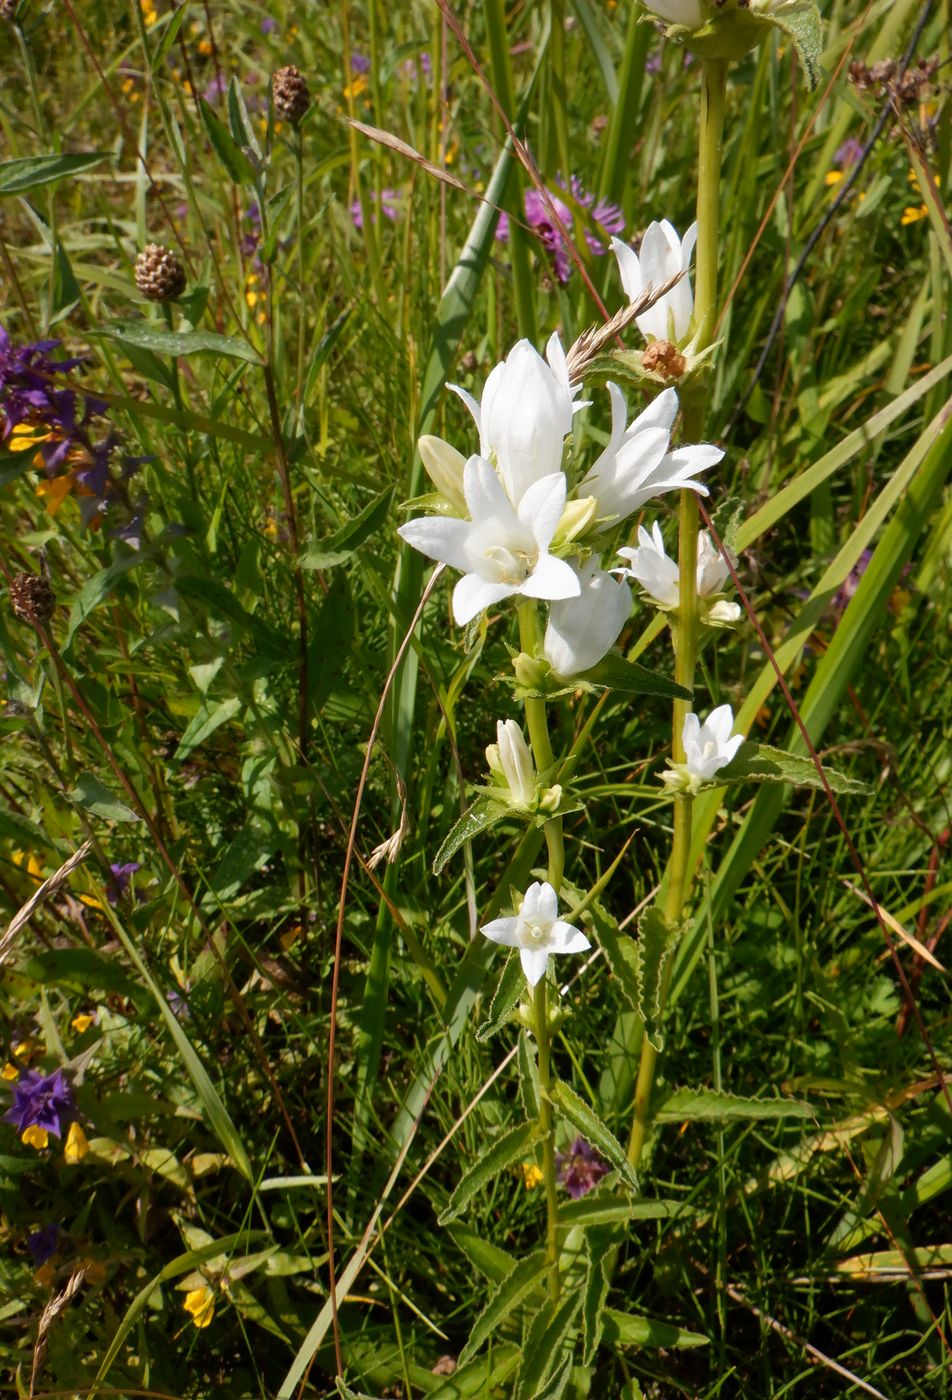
point(540, 509)
point(551, 579)
point(473, 593)
point(438, 537)
point(534, 963)
point(502, 931)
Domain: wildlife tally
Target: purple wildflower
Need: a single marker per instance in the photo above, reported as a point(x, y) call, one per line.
point(542, 211)
point(43, 1243)
point(359, 63)
point(849, 153)
point(41, 1101)
point(580, 1169)
point(122, 875)
point(653, 63)
point(388, 208)
point(269, 25)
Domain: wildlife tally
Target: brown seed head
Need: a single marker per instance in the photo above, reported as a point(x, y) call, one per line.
point(661, 357)
point(159, 274)
point(291, 94)
point(32, 599)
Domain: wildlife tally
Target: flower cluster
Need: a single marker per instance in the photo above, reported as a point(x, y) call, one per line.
point(510, 519)
point(43, 413)
point(43, 1104)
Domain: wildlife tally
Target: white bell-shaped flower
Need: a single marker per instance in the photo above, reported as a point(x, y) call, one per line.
point(537, 931)
point(662, 255)
point(708, 748)
point(581, 630)
point(511, 758)
point(659, 575)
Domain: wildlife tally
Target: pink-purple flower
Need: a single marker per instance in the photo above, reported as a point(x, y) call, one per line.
point(544, 212)
point(579, 1169)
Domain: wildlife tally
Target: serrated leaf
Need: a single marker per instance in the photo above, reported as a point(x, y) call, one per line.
point(91, 794)
point(557, 1386)
point(225, 146)
point(505, 1150)
point(658, 940)
point(621, 953)
point(483, 814)
point(542, 1351)
point(629, 1329)
point(524, 1276)
point(489, 1259)
point(505, 999)
point(713, 1106)
point(481, 1377)
point(29, 172)
point(760, 763)
point(142, 335)
point(595, 1292)
point(342, 544)
point(587, 1122)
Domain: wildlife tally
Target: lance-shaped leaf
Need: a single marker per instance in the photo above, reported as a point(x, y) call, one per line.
point(716, 1106)
point(506, 996)
point(628, 1329)
point(544, 1349)
point(595, 1293)
point(759, 763)
point(613, 672)
point(514, 1289)
point(508, 1149)
point(658, 940)
point(800, 20)
point(483, 813)
point(609, 1209)
point(588, 1123)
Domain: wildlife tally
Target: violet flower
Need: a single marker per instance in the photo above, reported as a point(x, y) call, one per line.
point(122, 875)
point(580, 1169)
point(41, 1101)
point(540, 209)
point(43, 1243)
point(388, 208)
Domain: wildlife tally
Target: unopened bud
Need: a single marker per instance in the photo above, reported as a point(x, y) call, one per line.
point(444, 466)
point(531, 672)
point(576, 518)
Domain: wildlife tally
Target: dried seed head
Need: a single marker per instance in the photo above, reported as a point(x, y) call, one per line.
point(291, 94)
point(32, 599)
point(159, 274)
point(661, 357)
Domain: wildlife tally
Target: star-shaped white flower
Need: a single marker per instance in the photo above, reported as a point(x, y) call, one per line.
point(537, 931)
point(500, 551)
point(708, 748)
point(663, 254)
point(659, 575)
point(525, 412)
point(636, 464)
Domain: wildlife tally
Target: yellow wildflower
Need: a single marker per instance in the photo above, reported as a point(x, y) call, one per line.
point(35, 1137)
point(9, 1071)
point(201, 1304)
point(83, 1021)
point(355, 87)
point(23, 1049)
point(912, 215)
point(205, 47)
point(531, 1175)
point(76, 1145)
point(832, 177)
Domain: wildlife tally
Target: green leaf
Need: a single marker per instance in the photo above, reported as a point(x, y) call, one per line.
point(143, 335)
point(657, 942)
point(529, 1091)
point(612, 1210)
point(481, 1377)
point(225, 146)
point(66, 291)
point(90, 793)
point(342, 544)
point(543, 1357)
point(505, 999)
point(83, 969)
point(95, 590)
point(759, 763)
point(802, 23)
point(587, 1122)
point(621, 953)
point(713, 1106)
point(242, 128)
point(522, 1279)
point(511, 1147)
point(491, 1261)
point(628, 1329)
point(483, 813)
point(29, 172)
point(613, 672)
point(595, 1292)
point(204, 724)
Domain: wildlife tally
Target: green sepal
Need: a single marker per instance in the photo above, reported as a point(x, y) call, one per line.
point(658, 940)
point(505, 1150)
point(613, 672)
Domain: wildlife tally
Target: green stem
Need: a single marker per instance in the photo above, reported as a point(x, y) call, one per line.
point(538, 726)
point(547, 1132)
point(694, 404)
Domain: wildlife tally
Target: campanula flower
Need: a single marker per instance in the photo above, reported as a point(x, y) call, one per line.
point(511, 758)
point(581, 630)
point(659, 575)
point(662, 255)
point(536, 930)
point(43, 1101)
point(708, 748)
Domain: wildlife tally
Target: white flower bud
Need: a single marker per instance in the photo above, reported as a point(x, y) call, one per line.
point(444, 466)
